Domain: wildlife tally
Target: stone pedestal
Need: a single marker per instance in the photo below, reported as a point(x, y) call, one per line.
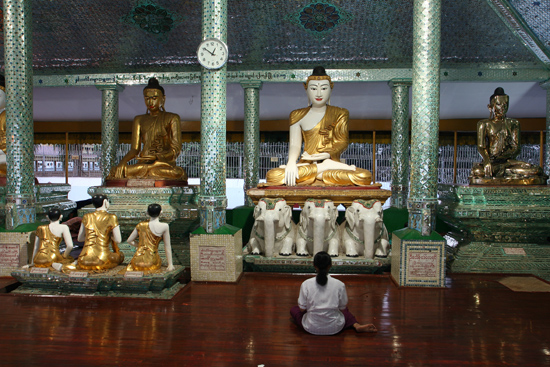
point(497, 213)
point(417, 261)
point(217, 257)
point(47, 196)
point(14, 251)
point(297, 195)
point(130, 204)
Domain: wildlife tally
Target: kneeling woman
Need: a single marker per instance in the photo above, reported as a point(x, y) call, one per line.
point(322, 305)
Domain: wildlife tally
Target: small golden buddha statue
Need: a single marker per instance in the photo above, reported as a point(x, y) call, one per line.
point(156, 141)
point(48, 238)
point(99, 231)
point(498, 143)
point(324, 131)
point(150, 233)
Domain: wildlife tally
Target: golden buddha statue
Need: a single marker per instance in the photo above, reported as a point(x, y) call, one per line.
point(98, 231)
point(324, 131)
point(150, 233)
point(3, 166)
point(498, 143)
point(48, 238)
point(160, 134)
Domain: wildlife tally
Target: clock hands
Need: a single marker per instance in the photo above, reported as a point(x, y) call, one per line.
point(210, 52)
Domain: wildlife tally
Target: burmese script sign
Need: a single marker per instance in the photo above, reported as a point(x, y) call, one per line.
point(9, 255)
point(211, 258)
point(423, 264)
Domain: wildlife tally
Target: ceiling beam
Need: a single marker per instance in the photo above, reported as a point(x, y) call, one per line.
point(476, 73)
point(520, 29)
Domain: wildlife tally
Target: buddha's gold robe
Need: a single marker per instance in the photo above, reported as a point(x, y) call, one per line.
point(330, 135)
point(158, 136)
point(146, 258)
point(48, 249)
point(96, 254)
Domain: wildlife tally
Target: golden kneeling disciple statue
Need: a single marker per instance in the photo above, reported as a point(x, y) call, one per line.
point(150, 233)
point(498, 143)
point(48, 238)
point(156, 141)
point(324, 132)
point(99, 231)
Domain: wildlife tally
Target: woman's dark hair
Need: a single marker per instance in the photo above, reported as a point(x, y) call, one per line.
point(154, 84)
point(154, 210)
point(322, 261)
point(97, 200)
point(54, 214)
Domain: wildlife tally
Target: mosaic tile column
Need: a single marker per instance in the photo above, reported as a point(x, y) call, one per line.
point(212, 198)
point(20, 198)
point(109, 127)
point(251, 137)
point(400, 142)
point(546, 163)
point(425, 115)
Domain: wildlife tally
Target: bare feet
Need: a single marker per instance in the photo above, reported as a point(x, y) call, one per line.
point(367, 328)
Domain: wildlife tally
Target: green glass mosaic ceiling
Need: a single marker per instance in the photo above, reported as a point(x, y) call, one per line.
point(104, 36)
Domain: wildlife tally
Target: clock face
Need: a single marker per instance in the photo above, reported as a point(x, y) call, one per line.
point(212, 53)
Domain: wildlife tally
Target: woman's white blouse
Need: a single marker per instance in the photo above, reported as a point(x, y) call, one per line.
point(323, 305)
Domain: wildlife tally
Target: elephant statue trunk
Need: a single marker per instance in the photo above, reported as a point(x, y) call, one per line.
point(318, 228)
point(364, 232)
point(273, 229)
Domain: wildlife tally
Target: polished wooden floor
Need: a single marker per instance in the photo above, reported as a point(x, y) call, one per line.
point(474, 321)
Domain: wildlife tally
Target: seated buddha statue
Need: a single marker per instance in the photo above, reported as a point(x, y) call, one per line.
point(48, 238)
point(498, 143)
point(150, 233)
point(99, 231)
point(156, 141)
point(324, 131)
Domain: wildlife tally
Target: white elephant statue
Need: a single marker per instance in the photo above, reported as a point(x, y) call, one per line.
point(318, 229)
point(273, 230)
point(364, 232)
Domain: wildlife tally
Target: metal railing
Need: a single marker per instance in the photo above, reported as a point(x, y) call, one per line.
point(84, 159)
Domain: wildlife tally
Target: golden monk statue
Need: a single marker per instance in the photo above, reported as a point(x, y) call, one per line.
point(150, 233)
point(324, 132)
point(498, 143)
point(99, 230)
point(48, 238)
point(156, 141)
point(3, 166)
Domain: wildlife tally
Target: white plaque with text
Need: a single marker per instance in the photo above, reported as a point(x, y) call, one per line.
point(40, 270)
point(133, 274)
point(212, 258)
point(78, 274)
point(9, 255)
point(423, 264)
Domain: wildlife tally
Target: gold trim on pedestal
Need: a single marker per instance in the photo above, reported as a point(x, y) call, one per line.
point(340, 195)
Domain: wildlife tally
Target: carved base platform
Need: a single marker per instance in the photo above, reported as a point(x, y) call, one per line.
point(297, 195)
point(109, 283)
point(130, 182)
point(178, 208)
point(501, 181)
point(47, 196)
point(504, 214)
point(498, 257)
point(297, 264)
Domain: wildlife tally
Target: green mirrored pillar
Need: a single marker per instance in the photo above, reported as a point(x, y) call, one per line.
point(546, 162)
point(212, 197)
point(400, 142)
point(109, 126)
point(425, 115)
point(251, 136)
point(20, 199)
